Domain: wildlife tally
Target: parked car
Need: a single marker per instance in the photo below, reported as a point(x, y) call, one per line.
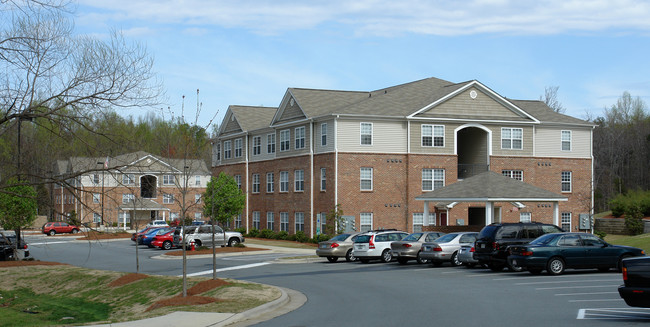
point(376, 244)
point(466, 256)
point(8, 244)
point(202, 235)
point(557, 251)
point(136, 235)
point(493, 240)
point(339, 246)
point(445, 248)
point(158, 223)
point(54, 227)
point(147, 238)
point(409, 247)
point(636, 278)
point(164, 240)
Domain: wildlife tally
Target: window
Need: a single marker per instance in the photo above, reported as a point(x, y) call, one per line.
point(566, 221)
point(238, 148)
point(270, 143)
point(566, 181)
point(197, 198)
point(168, 198)
point(323, 134)
point(128, 179)
point(269, 183)
point(284, 221)
point(365, 221)
point(96, 178)
point(284, 181)
point(515, 174)
point(227, 150)
point(299, 137)
point(124, 217)
point(168, 179)
point(197, 216)
point(566, 140)
point(197, 180)
point(323, 222)
point(418, 221)
point(97, 218)
point(218, 151)
point(300, 221)
point(126, 198)
point(525, 217)
point(256, 183)
point(238, 181)
point(257, 145)
point(366, 133)
point(256, 220)
point(97, 197)
point(432, 179)
point(270, 216)
point(238, 221)
point(433, 135)
point(512, 138)
point(173, 216)
point(366, 179)
point(323, 179)
point(299, 180)
point(284, 140)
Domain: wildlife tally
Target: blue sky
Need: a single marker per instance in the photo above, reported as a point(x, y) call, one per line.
point(250, 52)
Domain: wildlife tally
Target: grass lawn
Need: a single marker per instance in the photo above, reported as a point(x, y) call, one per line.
point(65, 295)
point(639, 241)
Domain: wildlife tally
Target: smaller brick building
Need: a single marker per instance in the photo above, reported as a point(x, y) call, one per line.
point(130, 189)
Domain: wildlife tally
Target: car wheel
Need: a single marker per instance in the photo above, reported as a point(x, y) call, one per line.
point(495, 266)
point(167, 245)
point(52, 232)
point(513, 267)
point(454, 260)
point(420, 260)
point(349, 256)
point(402, 261)
point(75, 231)
point(386, 256)
point(332, 259)
point(233, 241)
point(535, 271)
point(620, 262)
point(555, 266)
point(197, 243)
point(364, 260)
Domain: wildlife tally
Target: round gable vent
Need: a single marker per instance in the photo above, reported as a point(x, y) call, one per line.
point(472, 94)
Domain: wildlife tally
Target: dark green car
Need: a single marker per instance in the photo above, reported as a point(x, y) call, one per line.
point(558, 251)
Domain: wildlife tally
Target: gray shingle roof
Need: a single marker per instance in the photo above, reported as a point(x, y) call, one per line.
point(253, 117)
point(80, 164)
point(490, 186)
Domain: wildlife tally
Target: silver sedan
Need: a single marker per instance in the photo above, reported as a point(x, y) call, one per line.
point(409, 247)
point(339, 246)
point(445, 248)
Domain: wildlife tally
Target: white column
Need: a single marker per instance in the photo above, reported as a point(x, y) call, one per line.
point(425, 214)
point(489, 211)
point(556, 213)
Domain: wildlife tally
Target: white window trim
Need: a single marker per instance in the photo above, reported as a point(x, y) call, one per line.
point(227, 150)
point(361, 221)
point(257, 145)
point(238, 148)
point(286, 132)
point(562, 219)
point(298, 181)
point(270, 137)
point(256, 183)
point(512, 138)
point(299, 136)
point(270, 218)
point(529, 219)
point(323, 179)
point(285, 173)
point(570, 141)
point(433, 178)
point(361, 179)
point(433, 136)
point(270, 185)
point(323, 134)
point(361, 134)
point(510, 173)
point(570, 182)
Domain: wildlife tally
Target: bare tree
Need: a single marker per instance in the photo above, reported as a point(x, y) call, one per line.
point(550, 98)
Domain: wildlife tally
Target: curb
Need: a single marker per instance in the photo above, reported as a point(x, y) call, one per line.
point(288, 301)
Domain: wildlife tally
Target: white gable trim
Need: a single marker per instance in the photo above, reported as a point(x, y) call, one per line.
point(154, 159)
point(485, 89)
point(229, 115)
point(283, 105)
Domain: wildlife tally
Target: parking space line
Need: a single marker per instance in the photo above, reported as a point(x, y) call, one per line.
point(567, 287)
point(596, 300)
point(567, 281)
point(614, 313)
point(592, 293)
point(206, 272)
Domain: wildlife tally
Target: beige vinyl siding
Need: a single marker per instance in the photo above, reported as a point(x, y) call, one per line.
point(549, 142)
point(317, 137)
point(483, 107)
point(292, 141)
point(263, 155)
point(291, 112)
point(416, 138)
point(527, 146)
point(232, 159)
point(231, 125)
point(387, 136)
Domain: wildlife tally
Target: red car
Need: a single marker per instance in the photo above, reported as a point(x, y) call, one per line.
point(164, 241)
point(54, 227)
point(136, 235)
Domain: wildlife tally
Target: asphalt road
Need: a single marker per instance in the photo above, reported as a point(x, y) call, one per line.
point(377, 294)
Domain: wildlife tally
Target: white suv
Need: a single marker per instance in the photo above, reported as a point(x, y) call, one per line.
point(375, 244)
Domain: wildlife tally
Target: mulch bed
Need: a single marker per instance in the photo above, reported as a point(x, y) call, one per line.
point(192, 298)
point(219, 250)
point(23, 263)
point(127, 279)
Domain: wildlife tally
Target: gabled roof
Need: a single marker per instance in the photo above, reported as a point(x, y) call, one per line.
point(123, 161)
point(491, 186)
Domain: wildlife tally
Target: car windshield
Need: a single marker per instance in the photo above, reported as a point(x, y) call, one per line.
point(363, 239)
point(487, 232)
point(339, 238)
point(163, 231)
point(544, 239)
point(413, 237)
point(446, 238)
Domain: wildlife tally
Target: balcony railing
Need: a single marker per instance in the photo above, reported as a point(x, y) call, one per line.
point(469, 170)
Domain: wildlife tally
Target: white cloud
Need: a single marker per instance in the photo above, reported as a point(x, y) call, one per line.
point(388, 17)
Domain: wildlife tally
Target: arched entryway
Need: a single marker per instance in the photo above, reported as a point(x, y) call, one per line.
point(473, 149)
point(148, 186)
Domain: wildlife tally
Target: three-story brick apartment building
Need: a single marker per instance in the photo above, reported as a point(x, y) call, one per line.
point(134, 186)
point(375, 152)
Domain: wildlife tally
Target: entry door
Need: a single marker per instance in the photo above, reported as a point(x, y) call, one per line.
point(443, 219)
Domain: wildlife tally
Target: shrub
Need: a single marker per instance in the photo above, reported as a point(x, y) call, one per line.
point(239, 245)
point(320, 238)
point(241, 230)
point(282, 235)
point(301, 237)
point(634, 221)
point(266, 233)
point(253, 232)
point(600, 234)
